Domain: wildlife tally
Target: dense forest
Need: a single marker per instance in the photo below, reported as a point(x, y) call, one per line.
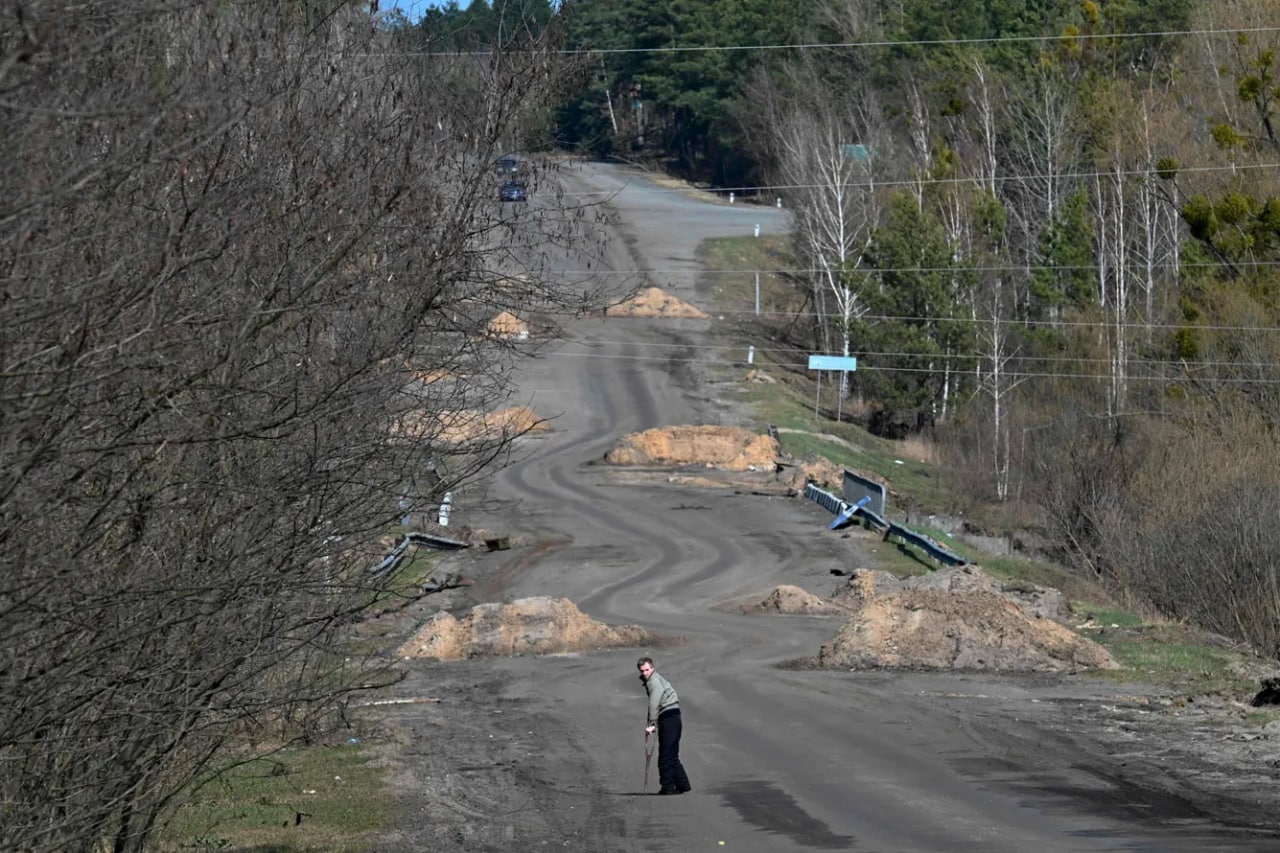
point(1048, 229)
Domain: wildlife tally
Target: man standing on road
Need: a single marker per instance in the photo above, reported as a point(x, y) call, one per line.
point(664, 717)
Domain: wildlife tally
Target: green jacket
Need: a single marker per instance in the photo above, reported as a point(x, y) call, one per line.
point(661, 696)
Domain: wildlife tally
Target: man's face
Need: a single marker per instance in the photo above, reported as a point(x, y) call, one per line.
point(646, 670)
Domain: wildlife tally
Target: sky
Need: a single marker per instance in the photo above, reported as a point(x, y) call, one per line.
point(413, 9)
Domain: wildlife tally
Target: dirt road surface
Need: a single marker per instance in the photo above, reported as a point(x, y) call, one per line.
point(547, 752)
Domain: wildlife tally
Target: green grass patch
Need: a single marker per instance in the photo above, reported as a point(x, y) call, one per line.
point(779, 407)
point(1163, 655)
point(732, 264)
point(895, 557)
point(1085, 595)
point(844, 443)
point(417, 568)
point(1259, 719)
point(330, 798)
point(1108, 617)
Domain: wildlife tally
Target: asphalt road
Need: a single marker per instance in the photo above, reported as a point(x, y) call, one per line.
point(547, 752)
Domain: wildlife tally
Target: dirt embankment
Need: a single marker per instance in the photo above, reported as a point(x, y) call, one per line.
point(724, 456)
point(728, 448)
point(528, 626)
point(466, 425)
point(655, 302)
point(958, 618)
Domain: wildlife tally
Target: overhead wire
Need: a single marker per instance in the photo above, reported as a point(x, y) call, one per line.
point(1011, 374)
point(847, 45)
point(968, 180)
point(878, 43)
point(1007, 321)
point(954, 356)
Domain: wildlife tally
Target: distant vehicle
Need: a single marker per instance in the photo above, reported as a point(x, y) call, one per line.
point(513, 191)
point(508, 164)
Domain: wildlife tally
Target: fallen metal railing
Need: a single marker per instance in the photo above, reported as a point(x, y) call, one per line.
point(429, 540)
point(846, 512)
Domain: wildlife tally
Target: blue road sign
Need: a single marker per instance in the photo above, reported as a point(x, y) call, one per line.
point(832, 362)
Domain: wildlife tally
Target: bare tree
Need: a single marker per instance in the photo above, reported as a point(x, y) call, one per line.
point(825, 147)
point(249, 259)
point(1042, 155)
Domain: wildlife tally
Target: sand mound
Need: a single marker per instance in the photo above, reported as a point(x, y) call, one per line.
point(954, 619)
point(812, 467)
point(958, 618)
point(794, 600)
point(730, 448)
point(654, 302)
point(457, 427)
point(527, 626)
point(508, 326)
point(1037, 601)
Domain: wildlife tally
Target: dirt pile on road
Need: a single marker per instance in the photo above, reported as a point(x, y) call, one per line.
point(957, 618)
point(787, 599)
point(728, 448)
point(728, 456)
point(655, 302)
point(457, 427)
point(527, 626)
point(865, 584)
point(507, 326)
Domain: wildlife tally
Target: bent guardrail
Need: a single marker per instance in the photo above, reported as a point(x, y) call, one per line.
point(430, 540)
point(892, 529)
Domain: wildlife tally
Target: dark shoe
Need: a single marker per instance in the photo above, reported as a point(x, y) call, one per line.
point(685, 788)
point(667, 792)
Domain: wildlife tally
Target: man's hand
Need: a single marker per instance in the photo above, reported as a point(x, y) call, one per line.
point(649, 729)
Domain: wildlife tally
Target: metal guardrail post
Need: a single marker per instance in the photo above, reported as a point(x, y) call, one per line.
point(891, 528)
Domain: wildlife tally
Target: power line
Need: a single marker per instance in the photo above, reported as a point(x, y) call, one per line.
point(1012, 375)
point(951, 356)
point(1057, 37)
point(1038, 324)
point(1033, 324)
point(673, 272)
point(912, 182)
point(844, 45)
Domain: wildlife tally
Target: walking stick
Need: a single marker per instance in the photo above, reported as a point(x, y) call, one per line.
point(648, 756)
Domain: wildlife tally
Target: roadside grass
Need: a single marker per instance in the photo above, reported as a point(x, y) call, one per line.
point(1149, 649)
point(1173, 656)
point(303, 798)
point(296, 800)
point(1260, 718)
point(416, 569)
point(371, 638)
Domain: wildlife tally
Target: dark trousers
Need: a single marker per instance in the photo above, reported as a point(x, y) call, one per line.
point(671, 773)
